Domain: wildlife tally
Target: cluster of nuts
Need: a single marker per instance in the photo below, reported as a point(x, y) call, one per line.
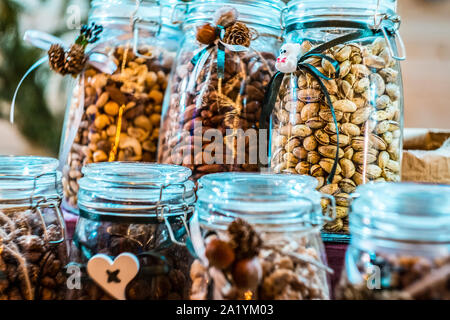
point(164, 266)
point(30, 267)
point(244, 265)
point(400, 277)
point(131, 99)
point(367, 100)
point(233, 103)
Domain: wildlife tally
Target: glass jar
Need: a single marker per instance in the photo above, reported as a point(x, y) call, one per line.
point(116, 117)
point(210, 120)
point(33, 251)
point(257, 236)
point(337, 111)
point(141, 210)
point(400, 247)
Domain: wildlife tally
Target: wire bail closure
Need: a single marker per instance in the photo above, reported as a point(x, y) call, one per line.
point(396, 21)
point(135, 20)
point(48, 202)
point(162, 210)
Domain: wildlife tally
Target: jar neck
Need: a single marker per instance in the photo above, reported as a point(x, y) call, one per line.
point(365, 11)
point(134, 191)
point(263, 16)
point(29, 182)
point(272, 203)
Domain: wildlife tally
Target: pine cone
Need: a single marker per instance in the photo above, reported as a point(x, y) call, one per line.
point(244, 239)
point(75, 60)
point(56, 57)
point(238, 34)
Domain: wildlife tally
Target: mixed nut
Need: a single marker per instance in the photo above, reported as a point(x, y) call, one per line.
point(31, 267)
point(367, 101)
point(121, 113)
point(245, 265)
point(213, 106)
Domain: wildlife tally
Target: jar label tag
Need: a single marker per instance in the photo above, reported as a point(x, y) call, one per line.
point(113, 276)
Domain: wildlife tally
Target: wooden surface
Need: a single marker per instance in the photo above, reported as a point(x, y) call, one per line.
point(426, 72)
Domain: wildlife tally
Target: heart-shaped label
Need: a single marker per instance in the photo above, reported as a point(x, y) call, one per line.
point(113, 276)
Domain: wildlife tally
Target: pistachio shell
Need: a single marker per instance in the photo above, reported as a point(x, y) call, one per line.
point(313, 157)
point(341, 212)
point(350, 129)
point(327, 165)
point(373, 61)
point(347, 185)
point(360, 157)
point(302, 167)
point(330, 151)
point(342, 199)
point(331, 189)
point(348, 168)
point(345, 105)
point(310, 143)
point(322, 137)
point(361, 115)
point(310, 110)
point(301, 130)
point(300, 153)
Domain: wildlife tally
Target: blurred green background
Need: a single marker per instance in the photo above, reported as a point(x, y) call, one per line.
point(42, 99)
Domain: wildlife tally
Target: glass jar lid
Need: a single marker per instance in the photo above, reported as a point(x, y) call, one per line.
point(137, 190)
point(28, 181)
point(270, 201)
point(402, 211)
point(256, 12)
point(352, 10)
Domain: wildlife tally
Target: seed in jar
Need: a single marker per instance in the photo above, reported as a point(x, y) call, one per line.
point(348, 168)
point(301, 130)
point(302, 167)
point(327, 164)
point(310, 143)
point(345, 105)
point(330, 189)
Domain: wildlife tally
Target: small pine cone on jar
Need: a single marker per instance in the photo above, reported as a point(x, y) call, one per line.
point(75, 60)
point(56, 58)
point(238, 34)
point(206, 34)
point(244, 239)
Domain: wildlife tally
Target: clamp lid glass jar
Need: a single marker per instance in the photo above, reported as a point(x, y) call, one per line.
point(257, 236)
point(211, 117)
point(400, 247)
point(337, 101)
point(32, 234)
point(114, 114)
point(141, 210)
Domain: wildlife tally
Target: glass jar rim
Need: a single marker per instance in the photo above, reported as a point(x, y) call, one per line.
point(135, 189)
point(271, 201)
point(299, 11)
point(121, 11)
point(409, 212)
point(26, 179)
point(267, 12)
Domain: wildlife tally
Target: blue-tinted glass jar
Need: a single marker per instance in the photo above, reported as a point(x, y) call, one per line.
point(138, 209)
point(33, 251)
point(339, 112)
point(400, 247)
point(278, 241)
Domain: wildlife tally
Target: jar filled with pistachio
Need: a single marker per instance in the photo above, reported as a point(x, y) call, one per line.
point(115, 109)
point(336, 103)
point(400, 246)
point(257, 237)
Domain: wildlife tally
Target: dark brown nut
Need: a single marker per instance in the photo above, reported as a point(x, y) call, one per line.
point(247, 273)
point(219, 253)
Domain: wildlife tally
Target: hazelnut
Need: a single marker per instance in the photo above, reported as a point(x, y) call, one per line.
point(111, 108)
point(206, 34)
point(247, 273)
point(219, 253)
